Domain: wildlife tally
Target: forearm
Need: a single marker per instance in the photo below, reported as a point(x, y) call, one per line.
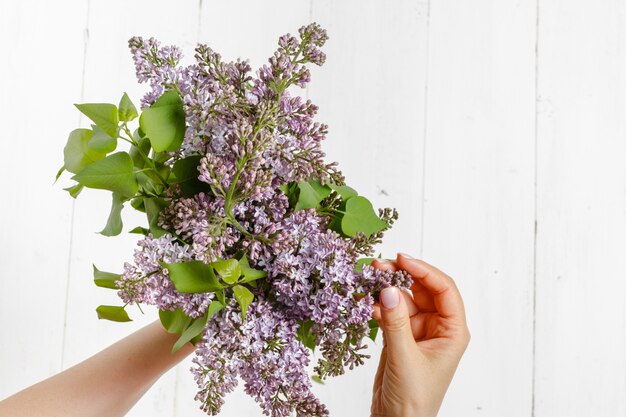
point(107, 384)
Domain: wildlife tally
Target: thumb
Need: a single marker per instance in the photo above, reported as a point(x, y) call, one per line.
point(395, 320)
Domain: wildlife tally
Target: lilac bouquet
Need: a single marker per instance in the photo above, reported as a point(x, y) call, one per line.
point(256, 250)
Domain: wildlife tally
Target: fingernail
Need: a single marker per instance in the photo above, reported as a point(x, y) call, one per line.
point(390, 297)
point(404, 255)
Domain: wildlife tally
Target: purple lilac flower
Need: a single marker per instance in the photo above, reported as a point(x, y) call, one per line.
point(252, 136)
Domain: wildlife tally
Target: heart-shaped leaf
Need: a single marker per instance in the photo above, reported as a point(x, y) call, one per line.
point(228, 269)
point(114, 173)
point(363, 261)
point(74, 190)
point(104, 115)
point(77, 154)
point(105, 279)
point(192, 277)
point(101, 141)
point(244, 297)
point(197, 326)
point(344, 191)
point(250, 274)
point(311, 193)
point(164, 122)
point(114, 223)
point(360, 216)
point(174, 321)
point(127, 110)
point(153, 207)
point(113, 313)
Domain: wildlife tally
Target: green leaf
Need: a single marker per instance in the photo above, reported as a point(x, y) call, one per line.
point(228, 269)
point(164, 122)
point(214, 307)
point(114, 223)
point(363, 261)
point(221, 296)
point(101, 141)
point(291, 191)
point(344, 191)
point(74, 190)
point(59, 172)
point(317, 379)
point(137, 202)
point(140, 231)
point(185, 173)
point(359, 216)
point(104, 115)
point(175, 321)
point(311, 193)
point(153, 207)
point(195, 329)
point(185, 169)
point(335, 223)
point(250, 274)
point(144, 146)
point(127, 110)
point(192, 277)
point(160, 157)
point(244, 297)
point(77, 154)
point(113, 313)
point(105, 279)
point(373, 325)
point(114, 173)
point(304, 334)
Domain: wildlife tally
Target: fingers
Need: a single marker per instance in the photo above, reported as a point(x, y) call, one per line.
point(413, 309)
point(396, 322)
point(422, 298)
point(385, 264)
point(445, 295)
point(380, 371)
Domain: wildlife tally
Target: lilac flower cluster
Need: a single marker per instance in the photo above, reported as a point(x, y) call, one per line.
point(253, 138)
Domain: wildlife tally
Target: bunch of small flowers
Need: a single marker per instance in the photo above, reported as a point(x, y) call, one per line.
point(256, 250)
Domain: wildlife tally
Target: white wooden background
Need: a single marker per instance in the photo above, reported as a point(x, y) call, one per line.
point(496, 127)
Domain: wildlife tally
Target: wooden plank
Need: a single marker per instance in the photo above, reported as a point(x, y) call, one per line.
point(479, 192)
point(109, 72)
point(371, 93)
point(42, 77)
point(581, 309)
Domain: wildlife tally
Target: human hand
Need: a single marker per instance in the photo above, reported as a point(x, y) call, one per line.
point(424, 336)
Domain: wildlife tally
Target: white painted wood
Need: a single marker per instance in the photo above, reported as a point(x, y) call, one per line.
point(370, 92)
point(431, 107)
point(109, 72)
point(581, 291)
point(479, 192)
point(41, 73)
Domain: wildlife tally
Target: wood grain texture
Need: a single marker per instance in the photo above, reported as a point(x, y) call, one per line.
point(479, 192)
point(581, 309)
point(370, 92)
point(109, 71)
point(41, 73)
point(495, 127)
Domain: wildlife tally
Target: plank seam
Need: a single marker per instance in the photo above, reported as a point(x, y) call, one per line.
point(536, 180)
point(199, 32)
point(71, 246)
point(425, 130)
